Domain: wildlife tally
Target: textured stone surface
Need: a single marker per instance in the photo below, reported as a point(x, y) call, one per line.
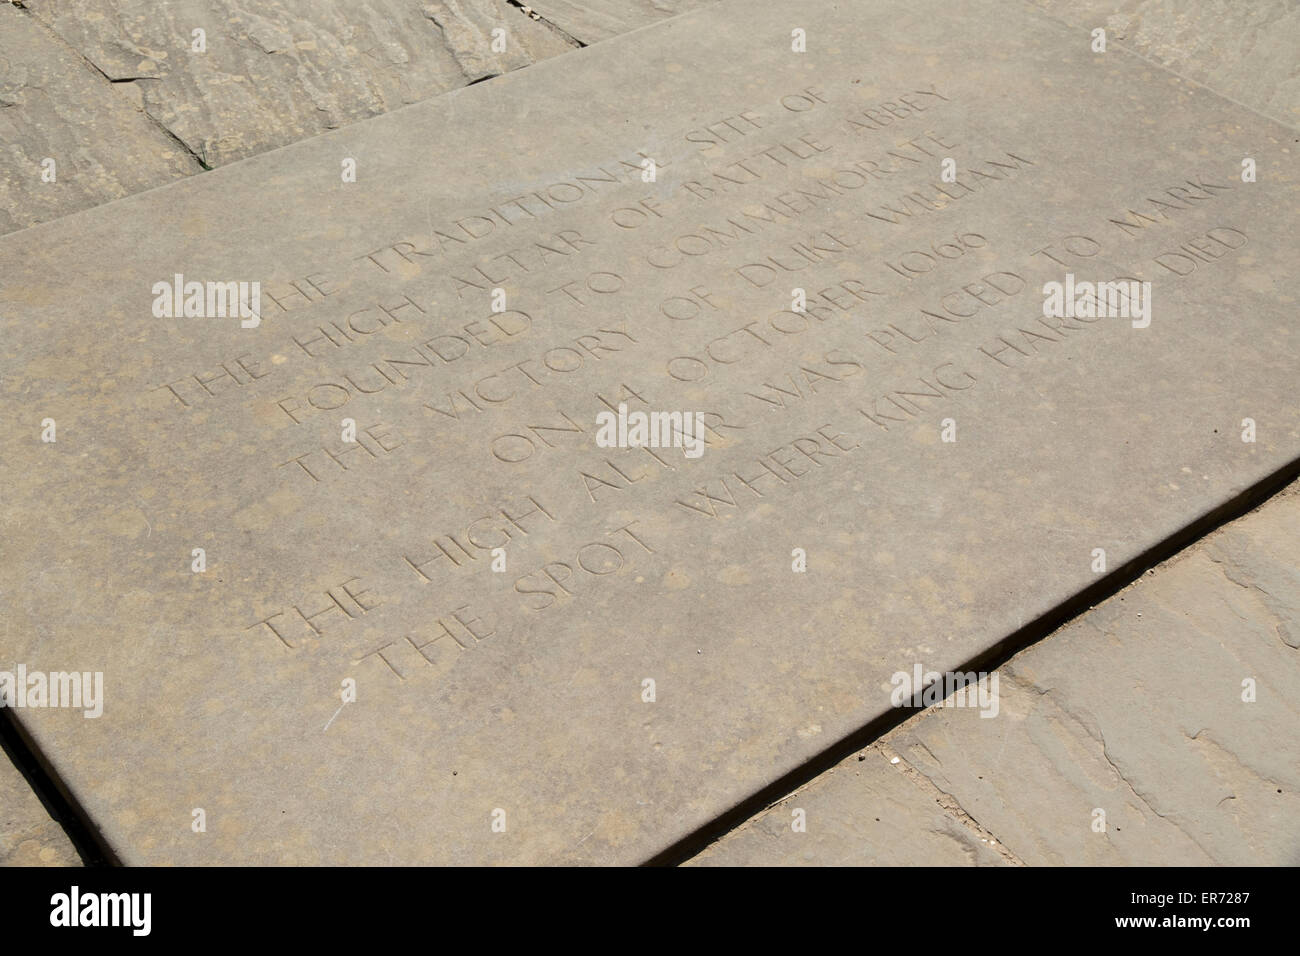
point(531, 701)
point(281, 72)
point(53, 105)
point(277, 72)
point(1245, 51)
point(28, 837)
point(593, 20)
point(865, 812)
point(1135, 709)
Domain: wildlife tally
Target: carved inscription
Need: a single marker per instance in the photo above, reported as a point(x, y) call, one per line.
point(827, 290)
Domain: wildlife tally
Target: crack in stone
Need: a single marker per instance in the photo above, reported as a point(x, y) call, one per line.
point(180, 143)
point(1105, 755)
point(1206, 740)
point(534, 15)
point(1088, 724)
point(1271, 603)
point(948, 803)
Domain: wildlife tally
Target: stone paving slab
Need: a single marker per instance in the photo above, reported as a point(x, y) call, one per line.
point(1122, 739)
point(115, 93)
point(69, 139)
point(282, 73)
point(505, 713)
point(864, 812)
point(272, 73)
point(1245, 51)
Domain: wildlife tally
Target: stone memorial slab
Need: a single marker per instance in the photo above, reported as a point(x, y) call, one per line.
point(369, 575)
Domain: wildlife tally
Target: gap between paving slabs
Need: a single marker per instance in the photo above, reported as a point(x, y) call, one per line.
point(54, 797)
point(94, 851)
point(991, 659)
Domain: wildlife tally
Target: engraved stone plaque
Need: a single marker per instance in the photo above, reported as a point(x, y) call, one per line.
point(532, 474)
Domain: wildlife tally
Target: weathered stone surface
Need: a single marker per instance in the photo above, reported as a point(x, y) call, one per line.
point(522, 691)
point(1137, 709)
point(593, 20)
point(276, 72)
point(1134, 709)
point(1245, 51)
point(54, 106)
point(865, 812)
point(28, 837)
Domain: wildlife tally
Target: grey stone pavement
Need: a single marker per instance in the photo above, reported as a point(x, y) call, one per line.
point(105, 85)
point(1134, 709)
point(1123, 738)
